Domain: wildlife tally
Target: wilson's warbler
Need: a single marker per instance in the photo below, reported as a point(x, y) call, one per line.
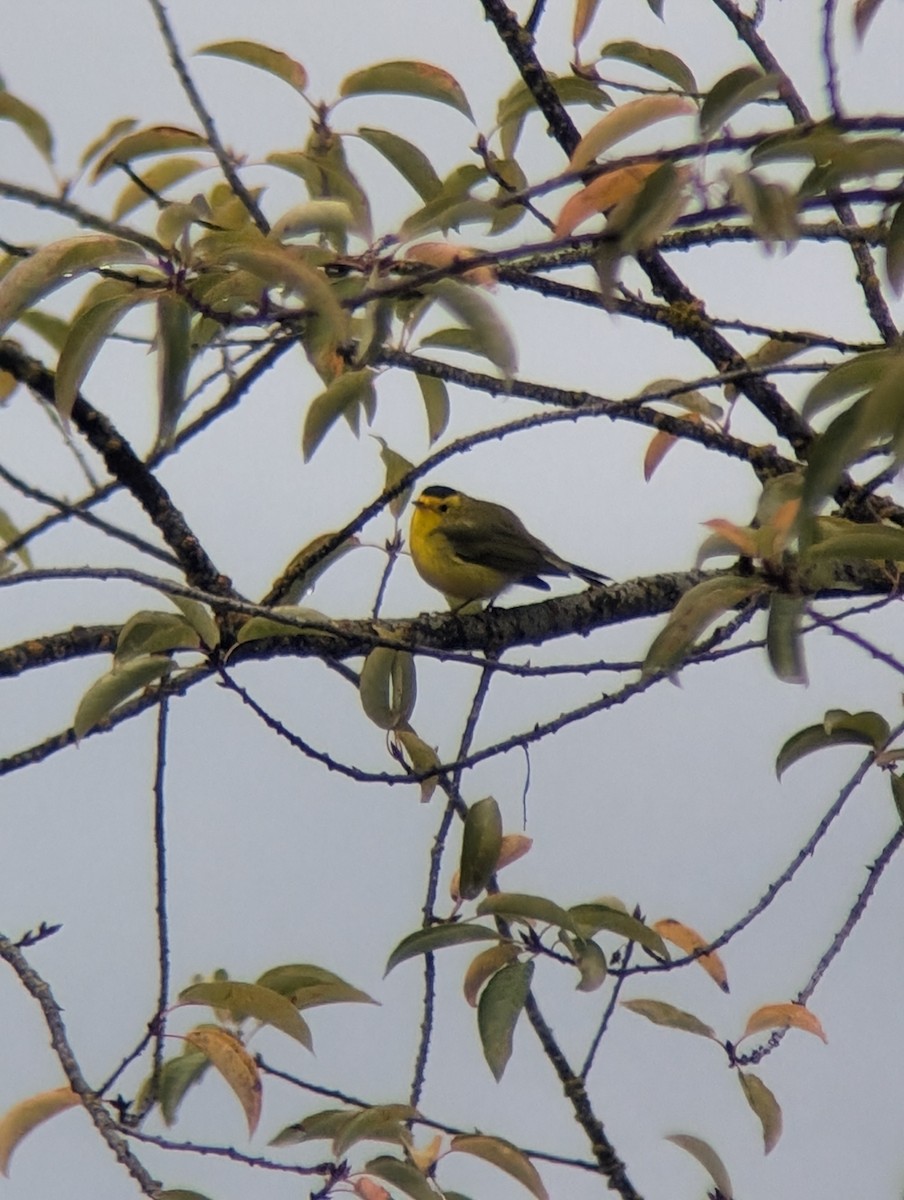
point(473, 549)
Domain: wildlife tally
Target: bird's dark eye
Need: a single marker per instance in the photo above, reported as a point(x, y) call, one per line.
point(443, 508)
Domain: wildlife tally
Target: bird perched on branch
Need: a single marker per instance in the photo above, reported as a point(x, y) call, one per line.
point(473, 549)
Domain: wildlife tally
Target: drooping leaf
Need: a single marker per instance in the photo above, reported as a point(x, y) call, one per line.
point(517, 906)
point(348, 393)
point(396, 467)
point(421, 756)
point(299, 579)
point(57, 263)
point(481, 842)
point(411, 163)
point(244, 1000)
point(105, 695)
point(584, 12)
point(498, 1009)
point(408, 78)
point(505, 1156)
point(476, 312)
point(641, 219)
point(275, 62)
point(652, 58)
point(765, 1107)
point(601, 195)
point(331, 218)
point(325, 1124)
point(435, 395)
point(257, 628)
point(708, 1159)
point(158, 177)
point(731, 93)
point(693, 613)
point(174, 318)
point(590, 961)
point(401, 1175)
point(438, 937)
point(864, 11)
point(880, 543)
point(445, 254)
point(894, 251)
point(176, 1076)
point(18, 1121)
point(200, 619)
point(114, 131)
point(661, 1013)
point(519, 101)
point(771, 206)
point(850, 378)
point(30, 121)
point(783, 1016)
point(388, 687)
point(839, 728)
point(235, 1064)
point(88, 332)
point(784, 644)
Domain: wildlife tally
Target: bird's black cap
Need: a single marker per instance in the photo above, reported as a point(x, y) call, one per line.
point(439, 493)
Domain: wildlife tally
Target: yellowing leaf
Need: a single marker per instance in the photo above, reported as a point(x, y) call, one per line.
point(484, 966)
point(87, 335)
point(659, 446)
point(29, 120)
point(25, 1116)
point(368, 1190)
point(584, 12)
point(628, 118)
point(443, 254)
point(765, 1107)
point(345, 396)
point(601, 195)
point(410, 79)
point(783, 1016)
point(420, 755)
point(864, 11)
point(236, 1066)
point(740, 536)
point(505, 1156)
point(435, 395)
point(689, 940)
point(411, 162)
point(661, 62)
point(513, 847)
point(276, 62)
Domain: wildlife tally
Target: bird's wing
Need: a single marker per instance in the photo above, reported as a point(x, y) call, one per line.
point(498, 539)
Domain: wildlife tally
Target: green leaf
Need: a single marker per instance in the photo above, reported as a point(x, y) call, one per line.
point(851, 378)
point(325, 1124)
point(731, 93)
point(881, 543)
point(408, 78)
point(834, 451)
point(257, 628)
point(180, 1194)
point(771, 206)
point(422, 757)
point(505, 1156)
point(517, 906)
point(245, 1000)
point(641, 219)
point(481, 842)
point(897, 793)
point(765, 1107)
point(402, 1175)
point(177, 1075)
point(279, 267)
point(388, 687)
point(708, 1159)
point(199, 618)
point(30, 121)
point(498, 1009)
point(58, 263)
point(381, 1123)
point(332, 218)
point(661, 62)
point(478, 314)
point(438, 937)
point(254, 54)
point(839, 728)
point(396, 467)
point(627, 118)
point(661, 1013)
point(411, 163)
point(88, 332)
point(174, 319)
point(156, 139)
point(114, 131)
point(54, 330)
point(151, 633)
point(589, 919)
point(309, 986)
point(303, 580)
point(348, 393)
point(114, 688)
point(435, 395)
point(158, 177)
point(693, 613)
point(894, 251)
point(783, 640)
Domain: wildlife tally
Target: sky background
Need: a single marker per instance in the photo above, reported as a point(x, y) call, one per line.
point(670, 802)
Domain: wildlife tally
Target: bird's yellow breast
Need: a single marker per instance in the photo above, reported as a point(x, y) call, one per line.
point(438, 564)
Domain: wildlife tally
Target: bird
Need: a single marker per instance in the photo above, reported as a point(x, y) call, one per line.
point(472, 549)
